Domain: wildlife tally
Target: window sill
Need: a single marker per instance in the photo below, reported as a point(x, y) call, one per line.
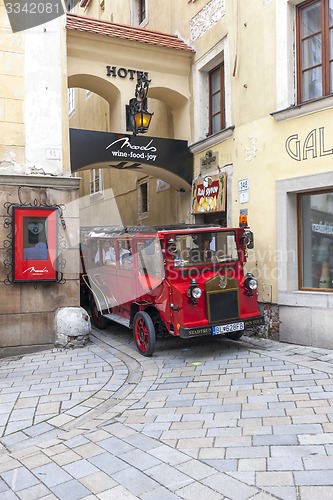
point(143, 23)
point(212, 140)
point(315, 299)
point(96, 196)
point(143, 215)
point(300, 110)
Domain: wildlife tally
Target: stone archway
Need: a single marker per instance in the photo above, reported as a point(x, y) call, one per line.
point(104, 58)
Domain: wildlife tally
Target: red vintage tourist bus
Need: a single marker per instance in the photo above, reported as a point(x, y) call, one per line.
point(182, 280)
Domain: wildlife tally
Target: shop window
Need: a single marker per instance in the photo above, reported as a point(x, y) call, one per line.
point(143, 199)
point(96, 181)
point(216, 100)
point(314, 49)
point(316, 240)
point(71, 101)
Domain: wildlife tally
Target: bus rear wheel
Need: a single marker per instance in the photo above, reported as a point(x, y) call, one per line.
point(98, 320)
point(144, 333)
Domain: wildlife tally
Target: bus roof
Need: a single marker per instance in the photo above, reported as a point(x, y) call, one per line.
point(116, 231)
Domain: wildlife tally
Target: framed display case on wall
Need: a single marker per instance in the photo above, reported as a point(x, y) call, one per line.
point(35, 244)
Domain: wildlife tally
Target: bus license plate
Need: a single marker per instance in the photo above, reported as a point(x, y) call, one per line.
point(232, 327)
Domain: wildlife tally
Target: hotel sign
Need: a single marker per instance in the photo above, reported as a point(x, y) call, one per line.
point(123, 72)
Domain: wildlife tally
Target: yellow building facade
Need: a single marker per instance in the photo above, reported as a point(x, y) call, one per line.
point(241, 94)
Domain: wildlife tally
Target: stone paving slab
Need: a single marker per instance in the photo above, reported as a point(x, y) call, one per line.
point(207, 419)
point(38, 387)
point(28, 413)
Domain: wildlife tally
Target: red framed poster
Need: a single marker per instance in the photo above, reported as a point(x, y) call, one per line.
point(35, 245)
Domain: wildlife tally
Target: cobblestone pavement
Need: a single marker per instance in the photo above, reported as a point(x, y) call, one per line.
point(205, 419)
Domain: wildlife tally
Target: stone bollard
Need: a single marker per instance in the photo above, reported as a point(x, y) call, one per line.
point(72, 327)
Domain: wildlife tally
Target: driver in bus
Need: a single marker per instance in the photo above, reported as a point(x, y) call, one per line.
point(202, 253)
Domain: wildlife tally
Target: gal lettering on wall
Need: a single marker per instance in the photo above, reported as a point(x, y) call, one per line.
point(313, 144)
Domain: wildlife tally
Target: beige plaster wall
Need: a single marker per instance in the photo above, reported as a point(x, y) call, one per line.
point(33, 117)
point(11, 94)
point(31, 92)
point(27, 313)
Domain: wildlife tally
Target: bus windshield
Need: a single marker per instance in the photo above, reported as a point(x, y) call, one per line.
point(205, 248)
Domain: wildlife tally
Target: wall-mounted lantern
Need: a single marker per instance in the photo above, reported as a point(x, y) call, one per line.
point(138, 117)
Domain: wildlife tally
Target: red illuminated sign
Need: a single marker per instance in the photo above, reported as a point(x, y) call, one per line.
point(35, 244)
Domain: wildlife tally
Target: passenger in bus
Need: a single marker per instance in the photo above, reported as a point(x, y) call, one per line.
point(110, 255)
point(97, 255)
point(127, 259)
point(107, 253)
point(125, 254)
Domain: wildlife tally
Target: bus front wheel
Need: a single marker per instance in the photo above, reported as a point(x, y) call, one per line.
point(144, 333)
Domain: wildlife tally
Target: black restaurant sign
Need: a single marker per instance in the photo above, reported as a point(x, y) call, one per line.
point(91, 149)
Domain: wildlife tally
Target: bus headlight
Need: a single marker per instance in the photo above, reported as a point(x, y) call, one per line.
point(250, 283)
point(194, 292)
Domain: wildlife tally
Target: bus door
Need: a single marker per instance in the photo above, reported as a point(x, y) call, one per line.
point(126, 289)
point(108, 271)
point(149, 259)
